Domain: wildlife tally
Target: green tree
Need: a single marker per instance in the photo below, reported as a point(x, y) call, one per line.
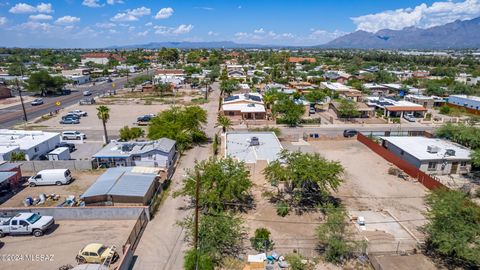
point(307, 177)
point(103, 113)
point(43, 82)
point(333, 235)
point(224, 122)
point(261, 240)
point(228, 87)
point(291, 112)
point(182, 124)
point(128, 134)
point(454, 226)
point(315, 96)
point(161, 88)
point(475, 156)
point(205, 262)
point(219, 235)
point(348, 109)
point(17, 156)
point(223, 182)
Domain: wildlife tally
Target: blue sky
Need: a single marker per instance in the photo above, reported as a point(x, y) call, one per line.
point(99, 23)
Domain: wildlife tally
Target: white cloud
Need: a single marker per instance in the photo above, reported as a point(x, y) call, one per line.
point(3, 21)
point(67, 20)
point(106, 25)
point(113, 2)
point(144, 33)
point(40, 17)
point(149, 24)
point(422, 16)
point(131, 15)
point(35, 26)
point(239, 7)
point(259, 31)
point(205, 8)
point(262, 36)
point(44, 8)
point(92, 3)
point(179, 30)
point(113, 31)
point(212, 34)
point(164, 13)
point(22, 8)
point(322, 36)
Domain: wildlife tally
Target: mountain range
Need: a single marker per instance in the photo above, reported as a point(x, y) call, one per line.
point(454, 35)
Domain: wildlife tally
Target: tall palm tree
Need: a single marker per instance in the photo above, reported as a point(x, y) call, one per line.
point(224, 122)
point(103, 113)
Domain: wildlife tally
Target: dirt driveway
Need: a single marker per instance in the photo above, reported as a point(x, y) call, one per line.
point(369, 187)
point(62, 244)
point(83, 180)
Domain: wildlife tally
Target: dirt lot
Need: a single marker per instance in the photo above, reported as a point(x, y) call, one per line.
point(369, 187)
point(82, 182)
point(63, 243)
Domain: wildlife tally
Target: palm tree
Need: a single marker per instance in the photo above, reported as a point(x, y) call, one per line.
point(103, 113)
point(224, 122)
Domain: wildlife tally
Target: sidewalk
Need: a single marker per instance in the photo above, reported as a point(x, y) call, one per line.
point(14, 101)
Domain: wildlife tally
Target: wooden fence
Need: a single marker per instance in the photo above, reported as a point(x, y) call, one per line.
point(428, 181)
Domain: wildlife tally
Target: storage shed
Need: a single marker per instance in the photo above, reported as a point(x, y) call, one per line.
point(123, 185)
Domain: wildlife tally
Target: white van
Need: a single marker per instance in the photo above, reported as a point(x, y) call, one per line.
point(51, 177)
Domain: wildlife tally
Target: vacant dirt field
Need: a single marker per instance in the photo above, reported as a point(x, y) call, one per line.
point(63, 242)
point(369, 187)
point(82, 182)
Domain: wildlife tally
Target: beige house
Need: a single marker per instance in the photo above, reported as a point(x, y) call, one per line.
point(248, 106)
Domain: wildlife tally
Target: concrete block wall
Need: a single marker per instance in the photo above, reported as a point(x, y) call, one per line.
point(73, 165)
point(80, 213)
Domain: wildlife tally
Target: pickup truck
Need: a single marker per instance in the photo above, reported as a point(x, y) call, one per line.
point(26, 223)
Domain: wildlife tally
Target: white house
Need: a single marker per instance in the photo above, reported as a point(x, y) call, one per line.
point(32, 143)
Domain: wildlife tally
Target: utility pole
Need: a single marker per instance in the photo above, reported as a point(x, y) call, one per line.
point(197, 198)
point(21, 98)
point(206, 88)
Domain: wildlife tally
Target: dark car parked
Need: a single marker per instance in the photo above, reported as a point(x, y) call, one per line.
point(69, 121)
point(349, 133)
point(144, 118)
point(70, 146)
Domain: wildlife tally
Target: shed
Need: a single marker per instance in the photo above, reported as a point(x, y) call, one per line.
point(12, 167)
point(6, 179)
point(122, 185)
point(61, 153)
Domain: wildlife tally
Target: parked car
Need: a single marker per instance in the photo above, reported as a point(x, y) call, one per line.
point(51, 177)
point(87, 93)
point(37, 101)
point(409, 117)
point(145, 118)
point(87, 101)
point(71, 115)
point(69, 121)
point(26, 223)
point(312, 110)
point(96, 253)
point(73, 135)
point(70, 146)
point(78, 112)
point(109, 80)
point(349, 133)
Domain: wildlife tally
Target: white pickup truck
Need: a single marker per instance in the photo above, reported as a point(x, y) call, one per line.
point(26, 223)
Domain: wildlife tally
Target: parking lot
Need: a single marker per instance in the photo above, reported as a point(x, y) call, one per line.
point(62, 243)
point(82, 181)
point(369, 187)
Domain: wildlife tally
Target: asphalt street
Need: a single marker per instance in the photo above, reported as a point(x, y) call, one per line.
point(13, 115)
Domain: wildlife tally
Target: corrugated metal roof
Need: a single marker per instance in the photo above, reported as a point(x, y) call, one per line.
point(7, 166)
point(121, 181)
point(4, 176)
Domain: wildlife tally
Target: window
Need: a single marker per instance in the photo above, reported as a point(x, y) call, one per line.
point(463, 164)
point(23, 223)
point(432, 166)
point(402, 152)
point(14, 222)
point(36, 149)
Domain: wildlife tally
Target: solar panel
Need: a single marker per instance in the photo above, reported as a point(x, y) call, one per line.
point(255, 98)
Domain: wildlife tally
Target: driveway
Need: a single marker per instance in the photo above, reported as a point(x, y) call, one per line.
point(162, 245)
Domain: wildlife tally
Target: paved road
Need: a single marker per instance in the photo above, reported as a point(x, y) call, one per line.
point(162, 245)
point(13, 115)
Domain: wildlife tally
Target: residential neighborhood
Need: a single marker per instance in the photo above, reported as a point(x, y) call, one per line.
point(269, 151)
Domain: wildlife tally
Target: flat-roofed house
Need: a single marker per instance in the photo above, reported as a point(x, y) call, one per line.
point(394, 108)
point(430, 155)
point(248, 106)
point(470, 103)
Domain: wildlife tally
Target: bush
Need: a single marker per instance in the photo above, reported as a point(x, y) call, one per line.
point(205, 262)
point(17, 156)
point(261, 241)
point(295, 262)
point(445, 110)
point(282, 209)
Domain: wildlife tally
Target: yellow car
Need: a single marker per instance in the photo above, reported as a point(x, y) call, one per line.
point(96, 253)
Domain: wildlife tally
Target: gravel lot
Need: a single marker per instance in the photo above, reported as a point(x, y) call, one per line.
point(369, 187)
point(83, 180)
point(62, 244)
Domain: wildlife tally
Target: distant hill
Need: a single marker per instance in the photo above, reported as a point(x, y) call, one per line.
point(455, 35)
point(194, 45)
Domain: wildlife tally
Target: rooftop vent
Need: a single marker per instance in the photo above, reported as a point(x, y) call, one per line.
point(450, 152)
point(432, 149)
point(254, 141)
